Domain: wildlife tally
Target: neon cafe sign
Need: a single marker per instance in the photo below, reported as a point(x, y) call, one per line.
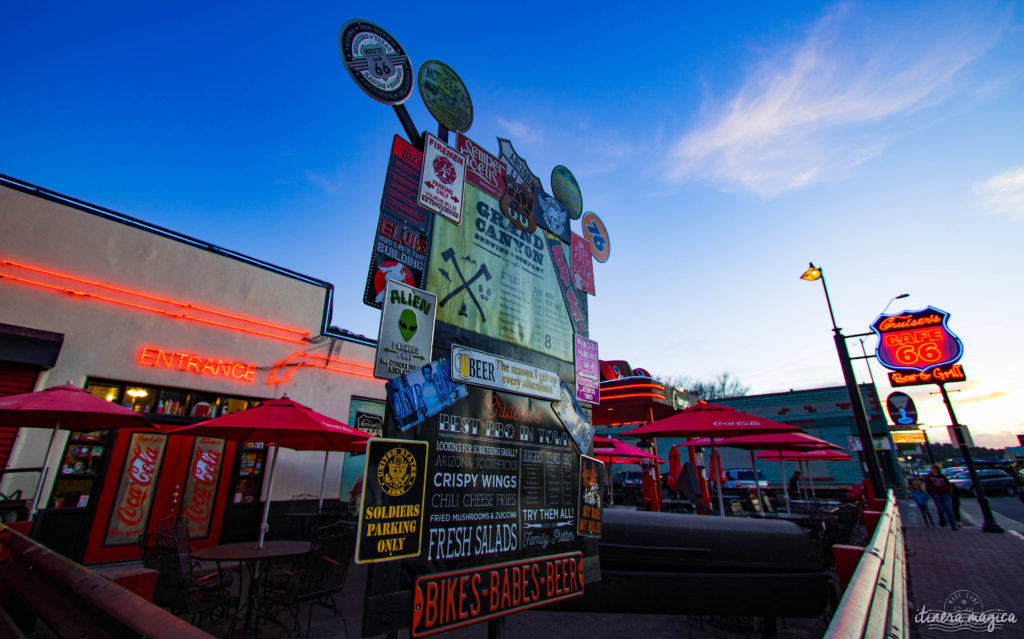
point(919, 347)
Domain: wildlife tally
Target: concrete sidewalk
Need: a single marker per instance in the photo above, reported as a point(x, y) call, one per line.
point(988, 566)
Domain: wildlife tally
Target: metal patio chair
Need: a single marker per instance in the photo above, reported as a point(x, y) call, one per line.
point(173, 591)
point(313, 580)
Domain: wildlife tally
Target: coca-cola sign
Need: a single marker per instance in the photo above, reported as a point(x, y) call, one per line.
point(201, 484)
point(143, 463)
point(135, 492)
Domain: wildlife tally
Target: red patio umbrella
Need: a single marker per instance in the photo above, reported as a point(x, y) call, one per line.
point(607, 447)
point(767, 441)
point(281, 423)
point(710, 420)
point(674, 466)
point(612, 451)
point(713, 421)
point(807, 456)
point(68, 407)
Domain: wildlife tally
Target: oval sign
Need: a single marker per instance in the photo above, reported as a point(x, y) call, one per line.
point(376, 62)
point(566, 190)
point(445, 96)
point(595, 233)
point(901, 409)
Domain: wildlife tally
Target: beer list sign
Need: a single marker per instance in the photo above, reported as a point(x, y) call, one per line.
point(502, 482)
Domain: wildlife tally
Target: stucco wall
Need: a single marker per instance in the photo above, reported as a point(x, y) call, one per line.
point(103, 339)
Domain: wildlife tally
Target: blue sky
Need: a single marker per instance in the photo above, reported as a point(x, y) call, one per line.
point(724, 147)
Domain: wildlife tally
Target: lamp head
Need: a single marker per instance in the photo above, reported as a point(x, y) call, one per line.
point(812, 273)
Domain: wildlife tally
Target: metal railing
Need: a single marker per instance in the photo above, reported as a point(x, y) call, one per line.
point(73, 601)
point(875, 602)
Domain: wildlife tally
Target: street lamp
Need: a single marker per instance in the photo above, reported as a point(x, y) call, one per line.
point(856, 401)
point(927, 443)
point(898, 297)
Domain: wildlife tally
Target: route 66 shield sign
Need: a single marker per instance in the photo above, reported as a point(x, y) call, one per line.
point(376, 62)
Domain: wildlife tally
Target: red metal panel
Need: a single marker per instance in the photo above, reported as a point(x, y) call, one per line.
point(14, 379)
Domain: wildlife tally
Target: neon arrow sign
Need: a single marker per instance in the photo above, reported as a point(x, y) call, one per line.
point(283, 371)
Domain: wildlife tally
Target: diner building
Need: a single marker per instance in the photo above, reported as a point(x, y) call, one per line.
point(825, 413)
point(631, 397)
point(180, 330)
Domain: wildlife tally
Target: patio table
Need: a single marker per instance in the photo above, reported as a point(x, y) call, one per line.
point(250, 555)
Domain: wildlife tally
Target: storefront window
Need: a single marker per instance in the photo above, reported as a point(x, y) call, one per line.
point(235, 404)
point(140, 399)
point(79, 471)
point(173, 402)
point(249, 479)
point(204, 406)
point(109, 392)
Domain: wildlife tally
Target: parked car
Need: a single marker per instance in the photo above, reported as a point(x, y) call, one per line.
point(743, 478)
point(627, 479)
point(994, 481)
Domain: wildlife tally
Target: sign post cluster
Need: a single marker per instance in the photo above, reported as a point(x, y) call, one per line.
point(481, 498)
point(919, 348)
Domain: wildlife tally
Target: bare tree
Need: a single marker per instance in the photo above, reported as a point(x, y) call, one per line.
point(722, 386)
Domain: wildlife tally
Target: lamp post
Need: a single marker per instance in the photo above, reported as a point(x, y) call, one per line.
point(898, 297)
point(927, 443)
point(856, 402)
point(989, 522)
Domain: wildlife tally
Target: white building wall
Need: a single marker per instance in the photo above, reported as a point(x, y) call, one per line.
point(103, 339)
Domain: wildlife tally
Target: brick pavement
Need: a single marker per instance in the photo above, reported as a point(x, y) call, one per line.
point(942, 561)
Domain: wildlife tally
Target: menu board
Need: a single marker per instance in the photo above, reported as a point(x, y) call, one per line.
point(498, 280)
point(502, 482)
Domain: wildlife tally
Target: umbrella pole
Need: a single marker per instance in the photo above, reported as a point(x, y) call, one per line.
point(807, 465)
point(270, 488)
point(42, 473)
point(323, 482)
point(785, 486)
point(718, 478)
point(757, 482)
point(611, 489)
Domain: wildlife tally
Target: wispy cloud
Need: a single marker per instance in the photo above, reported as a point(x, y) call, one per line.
point(519, 131)
point(983, 398)
point(331, 183)
point(818, 109)
point(1003, 193)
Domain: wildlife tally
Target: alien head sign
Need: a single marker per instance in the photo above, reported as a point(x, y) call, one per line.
point(406, 330)
point(916, 340)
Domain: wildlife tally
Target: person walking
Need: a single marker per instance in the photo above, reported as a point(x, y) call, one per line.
point(921, 499)
point(941, 491)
